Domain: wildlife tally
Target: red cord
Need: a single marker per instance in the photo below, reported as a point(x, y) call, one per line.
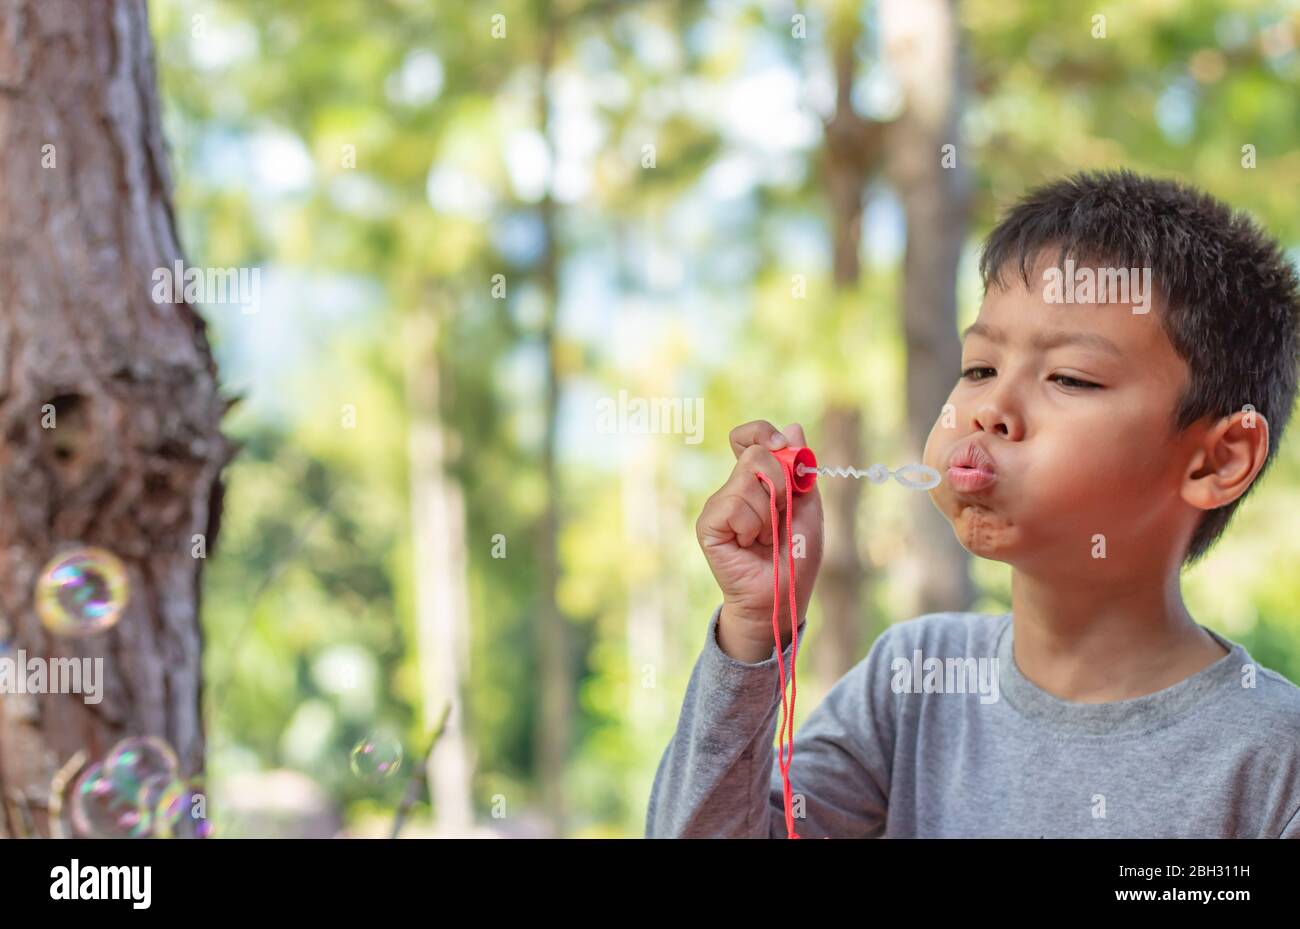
point(783, 761)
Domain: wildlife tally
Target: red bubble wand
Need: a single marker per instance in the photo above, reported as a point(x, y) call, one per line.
point(799, 465)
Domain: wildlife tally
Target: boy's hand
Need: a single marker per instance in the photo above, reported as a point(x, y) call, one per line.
point(735, 532)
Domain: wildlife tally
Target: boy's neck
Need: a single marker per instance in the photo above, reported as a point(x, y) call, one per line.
point(1091, 643)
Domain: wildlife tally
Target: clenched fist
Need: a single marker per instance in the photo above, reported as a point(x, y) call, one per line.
point(735, 532)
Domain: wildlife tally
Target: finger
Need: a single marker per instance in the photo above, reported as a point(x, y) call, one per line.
point(758, 432)
point(745, 482)
point(754, 460)
point(794, 434)
point(755, 497)
point(729, 516)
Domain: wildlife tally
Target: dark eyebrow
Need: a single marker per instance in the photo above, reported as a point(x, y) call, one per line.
point(1050, 340)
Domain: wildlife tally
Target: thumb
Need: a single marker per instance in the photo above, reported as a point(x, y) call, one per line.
point(794, 432)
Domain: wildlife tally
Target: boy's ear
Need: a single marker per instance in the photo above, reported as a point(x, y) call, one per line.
point(1231, 452)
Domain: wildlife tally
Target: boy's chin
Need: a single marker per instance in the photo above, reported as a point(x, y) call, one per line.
point(986, 531)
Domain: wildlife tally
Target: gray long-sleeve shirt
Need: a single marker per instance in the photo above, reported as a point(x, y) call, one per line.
point(900, 748)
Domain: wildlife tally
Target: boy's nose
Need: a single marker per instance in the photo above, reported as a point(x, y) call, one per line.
point(995, 416)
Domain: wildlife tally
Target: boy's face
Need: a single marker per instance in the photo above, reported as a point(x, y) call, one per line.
point(1070, 461)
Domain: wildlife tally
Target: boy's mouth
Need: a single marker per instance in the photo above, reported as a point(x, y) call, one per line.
point(971, 468)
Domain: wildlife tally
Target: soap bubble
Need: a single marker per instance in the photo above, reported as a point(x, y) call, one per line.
point(81, 592)
point(133, 793)
point(167, 800)
point(377, 756)
point(136, 761)
point(172, 803)
point(100, 811)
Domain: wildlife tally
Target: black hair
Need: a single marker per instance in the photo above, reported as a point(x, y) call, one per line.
point(1230, 296)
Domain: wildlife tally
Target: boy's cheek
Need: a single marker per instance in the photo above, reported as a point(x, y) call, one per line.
point(942, 434)
point(931, 454)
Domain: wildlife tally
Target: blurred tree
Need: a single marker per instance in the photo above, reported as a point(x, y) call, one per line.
point(438, 542)
point(554, 724)
point(852, 154)
point(927, 166)
point(110, 407)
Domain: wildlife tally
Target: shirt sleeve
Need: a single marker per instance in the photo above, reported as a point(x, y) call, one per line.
point(719, 775)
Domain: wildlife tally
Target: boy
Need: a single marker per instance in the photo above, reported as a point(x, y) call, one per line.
point(1099, 437)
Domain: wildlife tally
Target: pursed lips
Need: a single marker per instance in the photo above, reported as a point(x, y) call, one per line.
point(973, 455)
point(971, 468)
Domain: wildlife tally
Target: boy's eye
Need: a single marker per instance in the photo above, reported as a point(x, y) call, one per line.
point(979, 373)
point(1074, 382)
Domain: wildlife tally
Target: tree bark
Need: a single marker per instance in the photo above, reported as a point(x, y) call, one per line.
point(851, 153)
point(922, 42)
point(134, 460)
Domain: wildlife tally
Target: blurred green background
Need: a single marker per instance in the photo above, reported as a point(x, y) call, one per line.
point(466, 245)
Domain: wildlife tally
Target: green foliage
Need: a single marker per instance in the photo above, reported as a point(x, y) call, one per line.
point(307, 139)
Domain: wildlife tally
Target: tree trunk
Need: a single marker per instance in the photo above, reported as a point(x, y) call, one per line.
point(922, 41)
point(554, 719)
point(843, 575)
point(133, 461)
point(852, 147)
point(441, 596)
